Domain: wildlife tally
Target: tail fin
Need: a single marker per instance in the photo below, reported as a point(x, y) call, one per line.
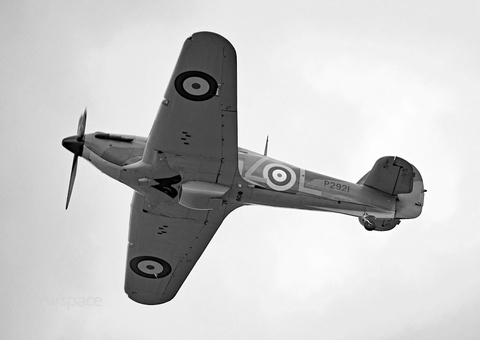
point(396, 176)
point(391, 175)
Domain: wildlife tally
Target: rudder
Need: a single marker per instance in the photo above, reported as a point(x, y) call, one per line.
point(410, 205)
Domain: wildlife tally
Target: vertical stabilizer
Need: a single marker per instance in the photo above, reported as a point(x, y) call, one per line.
point(391, 175)
point(397, 177)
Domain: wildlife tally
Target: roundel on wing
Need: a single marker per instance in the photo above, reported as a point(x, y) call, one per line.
point(196, 85)
point(279, 177)
point(150, 267)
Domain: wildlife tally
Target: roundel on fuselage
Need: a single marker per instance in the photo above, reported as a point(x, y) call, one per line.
point(279, 177)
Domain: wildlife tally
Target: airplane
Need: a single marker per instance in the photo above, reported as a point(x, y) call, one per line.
point(189, 174)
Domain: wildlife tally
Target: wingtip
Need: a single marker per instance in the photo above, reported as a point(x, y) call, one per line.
point(211, 37)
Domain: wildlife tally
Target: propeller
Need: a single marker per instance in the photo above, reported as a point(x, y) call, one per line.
point(74, 144)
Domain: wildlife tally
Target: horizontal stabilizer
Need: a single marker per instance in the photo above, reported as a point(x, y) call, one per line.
point(391, 175)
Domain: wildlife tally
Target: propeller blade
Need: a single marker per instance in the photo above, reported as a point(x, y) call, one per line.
point(82, 122)
point(72, 179)
point(75, 145)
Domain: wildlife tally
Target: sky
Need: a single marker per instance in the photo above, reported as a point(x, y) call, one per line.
point(335, 84)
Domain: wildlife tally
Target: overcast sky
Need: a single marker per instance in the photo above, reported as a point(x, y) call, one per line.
point(336, 85)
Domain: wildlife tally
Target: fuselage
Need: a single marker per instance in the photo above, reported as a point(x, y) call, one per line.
point(260, 179)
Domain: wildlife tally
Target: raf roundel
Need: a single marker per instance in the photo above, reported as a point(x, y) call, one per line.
point(279, 177)
point(150, 267)
point(196, 85)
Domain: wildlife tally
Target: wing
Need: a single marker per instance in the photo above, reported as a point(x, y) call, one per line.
point(164, 245)
point(197, 120)
point(193, 138)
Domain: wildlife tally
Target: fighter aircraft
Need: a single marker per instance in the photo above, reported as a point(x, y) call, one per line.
point(189, 174)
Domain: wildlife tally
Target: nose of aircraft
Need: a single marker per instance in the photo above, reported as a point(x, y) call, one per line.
point(73, 144)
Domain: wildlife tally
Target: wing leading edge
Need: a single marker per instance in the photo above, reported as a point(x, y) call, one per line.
point(193, 138)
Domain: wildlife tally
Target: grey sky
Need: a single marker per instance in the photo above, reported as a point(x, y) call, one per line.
point(336, 85)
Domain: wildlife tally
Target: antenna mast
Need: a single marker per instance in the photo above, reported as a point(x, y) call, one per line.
point(266, 147)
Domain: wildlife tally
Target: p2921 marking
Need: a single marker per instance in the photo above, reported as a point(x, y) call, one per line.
point(337, 186)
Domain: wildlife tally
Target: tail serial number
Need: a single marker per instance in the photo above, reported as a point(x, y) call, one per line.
point(337, 186)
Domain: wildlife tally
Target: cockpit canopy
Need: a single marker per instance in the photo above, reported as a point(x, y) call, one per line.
point(109, 136)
